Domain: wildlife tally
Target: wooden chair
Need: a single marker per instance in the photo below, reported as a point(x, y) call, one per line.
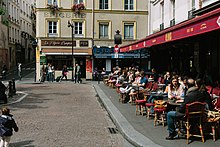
point(215, 92)
point(160, 112)
point(212, 122)
point(140, 106)
point(194, 116)
point(148, 106)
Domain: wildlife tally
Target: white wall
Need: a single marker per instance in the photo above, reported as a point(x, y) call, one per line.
point(181, 12)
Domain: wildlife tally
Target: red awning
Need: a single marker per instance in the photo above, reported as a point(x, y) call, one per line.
point(199, 25)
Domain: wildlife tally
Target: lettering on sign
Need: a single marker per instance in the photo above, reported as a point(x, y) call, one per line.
point(190, 30)
point(84, 43)
point(65, 15)
point(203, 26)
point(168, 36)
point(57, 43)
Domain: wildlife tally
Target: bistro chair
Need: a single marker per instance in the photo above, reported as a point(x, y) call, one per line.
point(212, 122)
point(140, 106)
point(194, 117)
point(215, 92)
point(160, 108)
point(148, 106)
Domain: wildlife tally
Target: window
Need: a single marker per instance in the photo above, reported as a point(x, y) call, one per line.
point(129, 4)
point(78, 29)
point(129, 31)
point(52, 30)
point(52, 2)
point(78, 1)
point(103, 30)
point(103, 4)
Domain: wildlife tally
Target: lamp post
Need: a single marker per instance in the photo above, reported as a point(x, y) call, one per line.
point(34, 45)
point(71, 24)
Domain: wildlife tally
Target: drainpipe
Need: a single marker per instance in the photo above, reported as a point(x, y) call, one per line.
point(93, 28)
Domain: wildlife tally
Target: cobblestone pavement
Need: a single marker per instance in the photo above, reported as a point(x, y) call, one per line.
point(62, 115)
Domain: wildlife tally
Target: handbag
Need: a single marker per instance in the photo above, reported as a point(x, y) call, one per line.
point(65, 73)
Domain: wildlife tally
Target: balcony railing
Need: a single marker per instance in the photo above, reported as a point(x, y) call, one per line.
point(172, 22)
point(190, 13)
point(161, 26)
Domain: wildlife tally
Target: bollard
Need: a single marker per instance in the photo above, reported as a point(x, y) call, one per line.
point(10, 92)
point(13, 87)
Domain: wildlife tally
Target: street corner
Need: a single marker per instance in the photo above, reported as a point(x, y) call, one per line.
point(16, 98)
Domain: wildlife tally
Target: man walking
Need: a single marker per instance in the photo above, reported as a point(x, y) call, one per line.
point(77, 74)
point(19, 70)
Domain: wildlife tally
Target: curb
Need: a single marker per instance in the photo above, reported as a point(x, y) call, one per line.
point(126, 129)
point(18, 100)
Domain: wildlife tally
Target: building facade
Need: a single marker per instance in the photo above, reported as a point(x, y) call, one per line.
point(4, 54)
point(94, 23)
point(17, 32)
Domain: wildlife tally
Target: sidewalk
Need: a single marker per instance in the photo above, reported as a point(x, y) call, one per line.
point(16, 98)
point(138, 129)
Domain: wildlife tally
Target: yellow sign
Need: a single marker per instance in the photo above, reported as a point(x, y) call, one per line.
point(37, 55)
point(168, 36)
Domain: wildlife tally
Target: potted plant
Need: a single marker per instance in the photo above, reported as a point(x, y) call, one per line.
point(54, 8)
point(78, 7)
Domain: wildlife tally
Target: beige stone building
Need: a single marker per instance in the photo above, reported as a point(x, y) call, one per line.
point(94, 24)
point(4, 54)
point(17, 32)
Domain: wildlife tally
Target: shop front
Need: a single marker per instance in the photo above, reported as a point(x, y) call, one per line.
point(60, 53)
point(105, 57)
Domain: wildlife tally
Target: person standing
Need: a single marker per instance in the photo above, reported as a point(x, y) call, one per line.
point(50, 72)
point(7, 125)
point(64, 73)
point(43, 74)
point(77, 73)
point(4, 71)
point(19, 70)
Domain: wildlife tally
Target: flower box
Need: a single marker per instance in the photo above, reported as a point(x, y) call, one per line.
point(78, 7)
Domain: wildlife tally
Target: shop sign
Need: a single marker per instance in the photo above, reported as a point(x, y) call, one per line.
point(57, 43)
point(84, 43)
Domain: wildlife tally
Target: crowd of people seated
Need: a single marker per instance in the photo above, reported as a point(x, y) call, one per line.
point(177, 88)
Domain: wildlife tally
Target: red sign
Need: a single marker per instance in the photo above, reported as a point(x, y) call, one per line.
point(199, 25)
point(89, 65)
point(116, 48)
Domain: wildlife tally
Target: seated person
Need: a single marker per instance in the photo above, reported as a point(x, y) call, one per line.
point(194, 93)
point(175, 90)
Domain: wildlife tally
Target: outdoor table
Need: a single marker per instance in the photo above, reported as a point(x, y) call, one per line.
point(173, 104)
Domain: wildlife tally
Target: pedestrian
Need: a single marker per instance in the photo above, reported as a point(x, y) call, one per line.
point(49, 72)
point(3, 96)
point(77, 74)
point(7, 125)
point(4, 71)
point(64, 72)
point(19, 70)
point(43, 74)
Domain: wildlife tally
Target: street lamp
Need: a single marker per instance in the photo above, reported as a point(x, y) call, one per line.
point(72, 25)
point(37, 54)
